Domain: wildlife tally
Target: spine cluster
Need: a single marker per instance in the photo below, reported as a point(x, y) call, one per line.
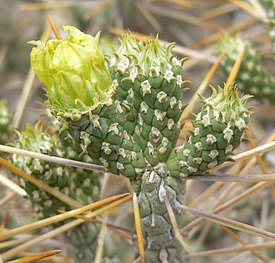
point(131, 128)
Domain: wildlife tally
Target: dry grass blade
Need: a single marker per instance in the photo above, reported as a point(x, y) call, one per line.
point(179, 50)
point(236, 249)
point(54, 28)
point(228, 204)
point(123, 232)
point(99, 7)
point(100, 243)
point(260, 161)
point(201, 55)
point(175, 225)
point(174, 14)
point(230, 223)
point(54, 219)
point(206, 194)
point(12, 186)
point(222, 198)
point(248, 165)
point(24, 98)
point(28, 86)
point(256, 12)
point(3, 52)
point(250, 153)
point(200, 90)
point(47, 5)
point(138, 228)
point(213, 188)
point(246, 178)
point(52, 159)
point(236, 67)
point(220, 10)
point(4, 222)
point(64, 198)
point(258, 7)
point(230, 30)
point(120, 31)
point(36, 257)
point(184, 3)
point(7, 198)
point(258, 157)
point(240, 240)
point(148, 16)
point(59, 230)
point(137, 260)
point(14, 242)
point(240, 257)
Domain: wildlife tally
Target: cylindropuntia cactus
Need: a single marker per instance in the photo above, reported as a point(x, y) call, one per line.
point(5, 123)
point(82, 186)
point(132, 128)
point(270, 8)
point(218, 129)
point(252, 77)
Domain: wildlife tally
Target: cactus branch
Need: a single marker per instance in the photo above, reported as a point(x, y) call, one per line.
point(39, 184)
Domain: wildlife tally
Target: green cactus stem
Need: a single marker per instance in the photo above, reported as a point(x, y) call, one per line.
point(80, 185)
point(134, 133)
point(94, 119)
point(252, 77)
point(150, 79)
point(270, 8)
point(5, 123)
point(83, 186)
point(159, 238)
point(218, 129)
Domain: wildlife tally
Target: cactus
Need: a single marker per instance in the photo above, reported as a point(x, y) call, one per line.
point(83, 186)
point(218, 129)
point(131, 128)
point(270, 7)
point(252, 77)
point(5, 123)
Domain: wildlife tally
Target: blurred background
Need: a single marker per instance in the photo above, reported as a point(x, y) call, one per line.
point(196, 26)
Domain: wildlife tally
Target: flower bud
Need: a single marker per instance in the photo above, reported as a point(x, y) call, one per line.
point(74, 73)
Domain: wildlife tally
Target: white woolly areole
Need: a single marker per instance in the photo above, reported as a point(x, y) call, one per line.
point(213, 154)
point(144, 107)
point(170, 124)
point(228, 134)
point(210, 139)
point(169, 74)
point(145, 87)
point(186, 152)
